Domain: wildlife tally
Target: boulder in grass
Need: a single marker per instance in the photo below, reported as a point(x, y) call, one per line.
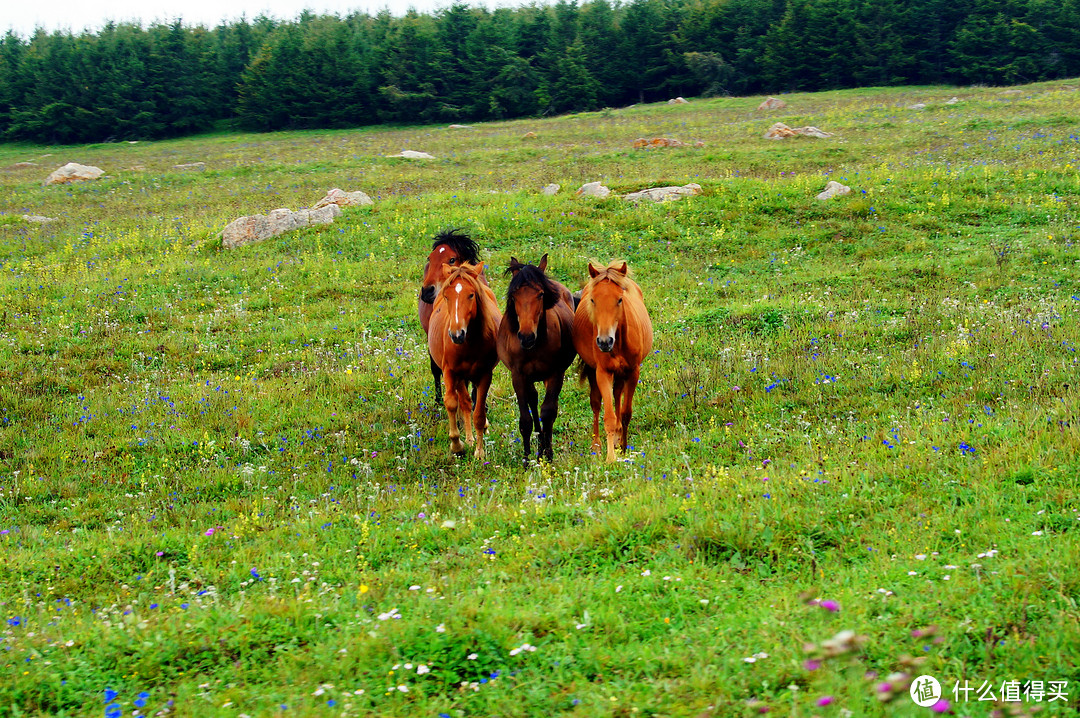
point(196, 166)
point(834, 189)
point(23, 165)
point(917, 106)
point(678, 101)
point(74, 172)
point(414, 155)
point(344, 199)
point(592, 189)
point(780, 131)
point(664, 194)
point(459, 127)
point(247, 230)
point(551, 190)
point(38, 219)
point(772, 103)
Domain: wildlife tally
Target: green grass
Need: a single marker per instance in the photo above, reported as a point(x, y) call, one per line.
point(224, 482)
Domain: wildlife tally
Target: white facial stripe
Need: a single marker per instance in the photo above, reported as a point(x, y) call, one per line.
point(442, 249)
point(459, 287)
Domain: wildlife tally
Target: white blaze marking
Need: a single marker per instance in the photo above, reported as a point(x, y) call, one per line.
point(458, 287)
point(442, 249)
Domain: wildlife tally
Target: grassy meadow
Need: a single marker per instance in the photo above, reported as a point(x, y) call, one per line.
point(226, 490)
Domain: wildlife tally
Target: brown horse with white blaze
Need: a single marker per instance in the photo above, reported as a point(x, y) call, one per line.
point(462, 343)
point(613, 335)
point(536, 344)
point(450, 249)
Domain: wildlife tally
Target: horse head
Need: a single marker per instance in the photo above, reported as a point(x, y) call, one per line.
point(451, 248)
point(461, 290)
point(605, 307)
point(530, 294)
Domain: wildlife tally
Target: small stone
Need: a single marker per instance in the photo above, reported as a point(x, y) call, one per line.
point(551, 190)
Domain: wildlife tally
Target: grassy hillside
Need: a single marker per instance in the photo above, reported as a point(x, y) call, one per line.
point(225, 488)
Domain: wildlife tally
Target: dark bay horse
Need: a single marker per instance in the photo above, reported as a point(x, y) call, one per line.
point(461, 341)
point(536, 344)
point(450, 249)
point(613, 335)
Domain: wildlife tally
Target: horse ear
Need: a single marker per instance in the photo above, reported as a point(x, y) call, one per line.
point(515, 266)
point(543, 263)
point(621, 269)
point(594, 271)
point(475, 269)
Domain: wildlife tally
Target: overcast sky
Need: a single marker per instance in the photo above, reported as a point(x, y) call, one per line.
point(23, 16)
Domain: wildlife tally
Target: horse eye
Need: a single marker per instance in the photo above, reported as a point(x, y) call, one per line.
point(620, 301)
point(452, 260)
point(593, 301)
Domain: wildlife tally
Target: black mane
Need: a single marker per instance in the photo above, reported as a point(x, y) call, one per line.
point(526, 275)
point(464, 245)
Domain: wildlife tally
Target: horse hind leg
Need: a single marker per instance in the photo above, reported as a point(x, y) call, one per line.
point(436, 375)
point(526, 399)
point(549, 411)
point(596, 403)
point(480, 421)
point(627, 412)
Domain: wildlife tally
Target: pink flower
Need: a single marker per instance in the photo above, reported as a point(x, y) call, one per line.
point(830, 606)
point(209, 532)
point(825, 700)
point(941, 706)
point(812, 664)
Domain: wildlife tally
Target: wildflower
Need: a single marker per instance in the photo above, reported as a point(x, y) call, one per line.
point(830, 606)
point(255, 575)
point(140, 700)
point(441, 628)
point(110, 694)
point(472, 656)
point(942, 706)
point(422, 669)
point(825, 700)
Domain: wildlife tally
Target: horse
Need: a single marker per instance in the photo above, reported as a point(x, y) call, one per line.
point(450, 248)
point(462, 342)
point(535, 343)
point(612, 335)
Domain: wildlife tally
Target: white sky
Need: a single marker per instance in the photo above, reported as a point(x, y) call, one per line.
point(23, 16)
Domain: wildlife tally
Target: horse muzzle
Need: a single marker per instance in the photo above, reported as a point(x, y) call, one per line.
point(528, 341)
point(427, 294)
point(605, 344)
point(457, 337)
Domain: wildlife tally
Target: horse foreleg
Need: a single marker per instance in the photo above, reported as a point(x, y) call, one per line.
point(467, 407)
point(480, 414)
point(451, 404)
point(548, 413)
point(605, 383)
point(526, 399)
point(629, 387)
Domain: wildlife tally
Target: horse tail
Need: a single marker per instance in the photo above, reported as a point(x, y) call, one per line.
point(586, 373)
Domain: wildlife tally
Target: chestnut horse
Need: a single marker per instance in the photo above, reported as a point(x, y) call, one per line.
point(461, 341)
point(450, 249)
point(536, 344)
point(613, 335)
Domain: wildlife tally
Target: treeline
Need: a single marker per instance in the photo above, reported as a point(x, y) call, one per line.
point(471, 64)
